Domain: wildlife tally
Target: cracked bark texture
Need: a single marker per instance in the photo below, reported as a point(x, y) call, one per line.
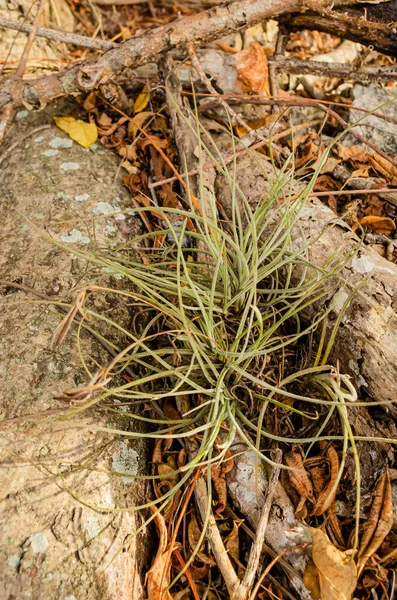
point(366, 342)
point(53, 546)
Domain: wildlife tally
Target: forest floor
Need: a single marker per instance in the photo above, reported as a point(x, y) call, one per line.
point(199, 283)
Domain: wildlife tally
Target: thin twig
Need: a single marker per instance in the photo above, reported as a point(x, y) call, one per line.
point(29, 42)
point(257, 546)
point(283, 101)
point(217, 546)
point(365, 73)
point(59, 36)
point(271, 565)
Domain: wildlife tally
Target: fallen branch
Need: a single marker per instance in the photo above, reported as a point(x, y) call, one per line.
point(147, 47)
point(217, 546)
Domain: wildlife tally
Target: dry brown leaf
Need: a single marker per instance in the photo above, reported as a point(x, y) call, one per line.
point(181, 594)
point(257, 124)
point(167, 472)
point(383, 166)
point(379, 523)
point(90, 102)
point(353, 153)
point(232, 542)
point(361, 172)
point(232, 545)
point(153, 140)
point(193, 532)
point(104, 120)
point(333, 522)
point(309, 152)
point(330, 165)
point(325, 498)
point(336, 570)
point(219, 483)
point(252, 69)
point(158, 577)
point(298, 477)
point(218, 476)
point(138, 120)
point(383, 225)
point(129, 152)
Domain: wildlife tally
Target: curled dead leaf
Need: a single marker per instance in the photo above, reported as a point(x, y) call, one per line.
point(232, 545)
point(383, 166)
point(336, 577)
point(379, 523)
point(158, 576)
point(218, 476)
point(299, 480)
point(353, 153)
point(327, 495)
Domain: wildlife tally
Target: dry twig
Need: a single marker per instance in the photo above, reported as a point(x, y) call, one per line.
point(257, 546)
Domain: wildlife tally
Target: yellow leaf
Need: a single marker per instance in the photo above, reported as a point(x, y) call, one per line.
point(311, 580)
point(336, 571)
point(81, 132)
point(142, 101)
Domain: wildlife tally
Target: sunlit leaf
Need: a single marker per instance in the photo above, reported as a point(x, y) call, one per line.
point(81, 132)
